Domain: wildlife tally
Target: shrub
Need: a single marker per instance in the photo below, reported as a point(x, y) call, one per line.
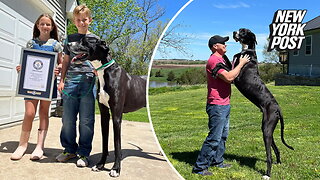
point(267, 71)
point(171, 76)
point(193, 76)
point(158, 74)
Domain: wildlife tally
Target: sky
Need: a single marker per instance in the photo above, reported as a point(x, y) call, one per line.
point(202, 19)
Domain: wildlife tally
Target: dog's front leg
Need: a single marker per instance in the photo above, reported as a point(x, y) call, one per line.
point(105, 119)
point(116, 118)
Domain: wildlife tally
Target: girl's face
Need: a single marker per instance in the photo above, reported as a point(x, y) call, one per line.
point(45, 26)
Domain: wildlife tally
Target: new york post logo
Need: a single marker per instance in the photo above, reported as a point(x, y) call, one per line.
point(286, 30)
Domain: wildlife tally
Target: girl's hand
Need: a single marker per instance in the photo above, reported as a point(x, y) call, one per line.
point(18, 68)
point(57, 70)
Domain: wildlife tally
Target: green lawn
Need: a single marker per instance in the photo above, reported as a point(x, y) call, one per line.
point(180, 122)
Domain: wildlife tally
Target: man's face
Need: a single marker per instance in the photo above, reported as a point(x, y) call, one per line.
point(221, 48)
point(82, 21)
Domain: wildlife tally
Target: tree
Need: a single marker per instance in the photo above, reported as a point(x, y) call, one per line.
point(175, 40)
point(171, 76)
point(271, 65)
point(270, 57)
point(130, 27)
point(158, 73)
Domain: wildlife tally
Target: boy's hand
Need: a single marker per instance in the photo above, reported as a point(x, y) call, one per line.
point(95, 72)
point(61, 86)
point(18, 68)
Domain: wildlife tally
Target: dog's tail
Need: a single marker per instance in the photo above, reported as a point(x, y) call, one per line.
point(282, 130)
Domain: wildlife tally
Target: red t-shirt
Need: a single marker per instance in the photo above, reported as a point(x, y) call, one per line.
point(219, 91)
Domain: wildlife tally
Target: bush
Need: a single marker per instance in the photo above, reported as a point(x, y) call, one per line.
point(193, 76)
point(158, 74)
point(171, 76)
point(267, 71)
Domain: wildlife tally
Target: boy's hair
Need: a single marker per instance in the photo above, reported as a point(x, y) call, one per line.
point(82, 9)
point(54, 31)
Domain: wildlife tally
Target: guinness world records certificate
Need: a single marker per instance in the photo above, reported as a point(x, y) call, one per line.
point(36, 78)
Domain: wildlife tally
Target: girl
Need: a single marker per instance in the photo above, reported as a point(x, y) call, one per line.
point(45, 37)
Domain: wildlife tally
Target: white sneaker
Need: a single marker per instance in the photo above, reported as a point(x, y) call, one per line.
point(82, 161)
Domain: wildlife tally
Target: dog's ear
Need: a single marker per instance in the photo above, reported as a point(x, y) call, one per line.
point(253, 36)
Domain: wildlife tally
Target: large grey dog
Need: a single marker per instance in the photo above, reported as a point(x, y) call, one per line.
point(252, 87)
point(127, 94)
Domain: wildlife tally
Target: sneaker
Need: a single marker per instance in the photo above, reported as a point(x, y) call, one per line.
point(82, 161)
point(222, 165)
point(65, 156)
point(203, 172)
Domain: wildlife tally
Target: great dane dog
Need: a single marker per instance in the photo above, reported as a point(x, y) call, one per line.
point(127, 93)
point(252, 87)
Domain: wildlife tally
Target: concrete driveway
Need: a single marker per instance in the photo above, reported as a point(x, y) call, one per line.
point(141, 155)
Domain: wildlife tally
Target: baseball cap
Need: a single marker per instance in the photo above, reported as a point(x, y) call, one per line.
point(217, 39)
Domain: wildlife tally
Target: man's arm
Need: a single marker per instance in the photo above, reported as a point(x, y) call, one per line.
point(229, 76)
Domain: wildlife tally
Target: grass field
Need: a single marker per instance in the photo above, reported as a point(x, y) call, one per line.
point(180, 122)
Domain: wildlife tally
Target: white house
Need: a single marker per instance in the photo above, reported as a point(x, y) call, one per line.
point(17, 18)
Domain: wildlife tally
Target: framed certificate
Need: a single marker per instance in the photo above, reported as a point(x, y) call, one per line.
point(36, 78)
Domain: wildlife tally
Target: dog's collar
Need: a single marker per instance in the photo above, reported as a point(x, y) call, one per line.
point(106, 65)
point(248, 50)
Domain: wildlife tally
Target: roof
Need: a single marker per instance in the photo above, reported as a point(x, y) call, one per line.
point(313, 24)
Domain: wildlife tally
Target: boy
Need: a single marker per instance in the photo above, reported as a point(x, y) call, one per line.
point(76, 87)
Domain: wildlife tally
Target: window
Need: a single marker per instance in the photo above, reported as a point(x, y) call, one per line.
point(308, 45)
point(295, 52)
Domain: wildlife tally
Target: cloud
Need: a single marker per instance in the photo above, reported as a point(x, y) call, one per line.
point(232, 6)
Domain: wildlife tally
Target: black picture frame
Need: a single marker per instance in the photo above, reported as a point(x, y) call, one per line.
point(36, 77)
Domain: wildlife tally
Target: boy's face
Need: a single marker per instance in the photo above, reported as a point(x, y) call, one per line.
point(82, 22)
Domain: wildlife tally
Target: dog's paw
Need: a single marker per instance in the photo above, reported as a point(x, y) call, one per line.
point(113, 173)
point(95, 168)
point(265, 177)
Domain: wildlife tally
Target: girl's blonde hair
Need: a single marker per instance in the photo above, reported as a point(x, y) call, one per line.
point(82, 9)
point(54, 31)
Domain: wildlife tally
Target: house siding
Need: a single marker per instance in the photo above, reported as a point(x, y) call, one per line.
point(60, 16)
point(17, 18)
point(306, 65)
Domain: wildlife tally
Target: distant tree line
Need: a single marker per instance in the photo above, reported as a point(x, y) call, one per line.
point(192, 76)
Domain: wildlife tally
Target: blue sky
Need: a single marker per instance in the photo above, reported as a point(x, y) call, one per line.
point(202, 19)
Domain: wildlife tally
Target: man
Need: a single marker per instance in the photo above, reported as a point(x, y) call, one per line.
point(219, 79)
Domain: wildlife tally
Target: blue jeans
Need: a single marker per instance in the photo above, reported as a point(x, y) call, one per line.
point(214, 147)
point(78, 99)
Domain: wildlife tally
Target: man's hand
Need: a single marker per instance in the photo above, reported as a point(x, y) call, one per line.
point(244, 59)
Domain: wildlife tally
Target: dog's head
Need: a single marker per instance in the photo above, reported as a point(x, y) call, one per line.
point(89, 48)
point(245, 36)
